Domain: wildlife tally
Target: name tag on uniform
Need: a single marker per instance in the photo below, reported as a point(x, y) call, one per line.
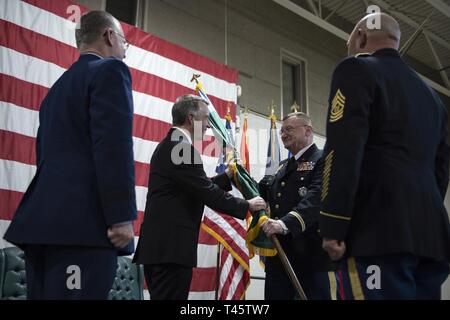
point(306, 166)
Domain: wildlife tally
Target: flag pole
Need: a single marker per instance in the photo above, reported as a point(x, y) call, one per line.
point(288, 268)
point(216, 295)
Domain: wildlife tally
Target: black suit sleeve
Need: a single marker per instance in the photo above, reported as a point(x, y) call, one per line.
point(442, 157)
point(192, 178)
point(352, 92)
point(306, 213)
point(222, 181)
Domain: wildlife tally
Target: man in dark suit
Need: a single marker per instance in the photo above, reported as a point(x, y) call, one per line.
point(294, 197)
point(177, 193)
point(79, 207)
point(386, 172)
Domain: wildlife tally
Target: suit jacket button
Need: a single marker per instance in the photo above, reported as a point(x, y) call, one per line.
point(277, 206)
point(278, 194)
point(283, 183)
point(302, 178)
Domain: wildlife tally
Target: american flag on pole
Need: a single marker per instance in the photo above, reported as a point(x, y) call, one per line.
point(37, 44)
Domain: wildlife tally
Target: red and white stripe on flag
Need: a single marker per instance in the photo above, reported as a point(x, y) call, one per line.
point(37, 44)
point(234, 257)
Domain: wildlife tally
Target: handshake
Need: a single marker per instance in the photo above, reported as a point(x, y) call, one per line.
point(256, 204)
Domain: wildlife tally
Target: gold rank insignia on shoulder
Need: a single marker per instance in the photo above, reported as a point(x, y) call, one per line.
point(306, 166)
point(337, 106)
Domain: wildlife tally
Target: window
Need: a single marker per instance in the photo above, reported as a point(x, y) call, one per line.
point(293, 83)
point(124, 11)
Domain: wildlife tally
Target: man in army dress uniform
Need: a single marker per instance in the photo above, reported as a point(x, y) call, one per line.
point(385, 172)
point(294, 197)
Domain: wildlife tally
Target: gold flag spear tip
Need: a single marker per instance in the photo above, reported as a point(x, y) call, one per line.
point(228, 115)
point(272, 108)
point(195, 77)
point(244, 110)
point(295, 107)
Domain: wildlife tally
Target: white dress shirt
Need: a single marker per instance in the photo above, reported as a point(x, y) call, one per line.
point(186, 134)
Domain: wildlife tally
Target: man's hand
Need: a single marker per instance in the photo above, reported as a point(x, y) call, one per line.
point(271, 227)
point(257, 203)
point(121, 234)
point(335, 248)
point(229, 170)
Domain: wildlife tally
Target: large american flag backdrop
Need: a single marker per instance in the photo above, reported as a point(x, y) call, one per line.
point(37, 45)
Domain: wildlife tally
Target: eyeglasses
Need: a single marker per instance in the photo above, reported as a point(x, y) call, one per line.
point(126, 44)
point(290, 129)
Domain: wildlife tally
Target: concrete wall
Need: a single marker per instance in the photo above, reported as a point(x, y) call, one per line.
point(93, 4)
point(257, 31)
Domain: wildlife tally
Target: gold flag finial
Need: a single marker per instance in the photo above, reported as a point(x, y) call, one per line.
point(272, 108)
point(295, 107)
point(272, 115)
point(195, 78)
point(228, 115)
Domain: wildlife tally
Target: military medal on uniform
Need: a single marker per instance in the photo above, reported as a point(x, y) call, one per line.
point(302, 191)
point(306, 166)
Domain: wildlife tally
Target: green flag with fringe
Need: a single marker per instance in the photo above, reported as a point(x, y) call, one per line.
point(257, 241)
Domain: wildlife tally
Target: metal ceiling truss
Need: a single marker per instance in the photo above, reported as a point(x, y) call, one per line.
point(315, 16)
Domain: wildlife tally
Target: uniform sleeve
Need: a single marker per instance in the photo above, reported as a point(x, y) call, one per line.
point(306, 213)
point(266, 182)
point(351, 96)
point(442, 157)
point(111, 119)
point(263, 186)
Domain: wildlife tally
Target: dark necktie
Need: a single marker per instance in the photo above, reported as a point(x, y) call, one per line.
point(291, 164)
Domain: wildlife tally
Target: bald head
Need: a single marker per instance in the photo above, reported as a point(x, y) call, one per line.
point(92, 25)
point(373, 32)
point(99, 32)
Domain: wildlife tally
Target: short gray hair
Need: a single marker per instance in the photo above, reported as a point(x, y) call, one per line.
point(300, 115)
point(185, 105)
point(92, 25)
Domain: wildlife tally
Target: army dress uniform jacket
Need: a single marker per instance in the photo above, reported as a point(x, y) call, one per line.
point(293, 194)
point(386, 160)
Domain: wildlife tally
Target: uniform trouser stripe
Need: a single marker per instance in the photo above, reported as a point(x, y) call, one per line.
point(355, 283)
point(333, 285)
